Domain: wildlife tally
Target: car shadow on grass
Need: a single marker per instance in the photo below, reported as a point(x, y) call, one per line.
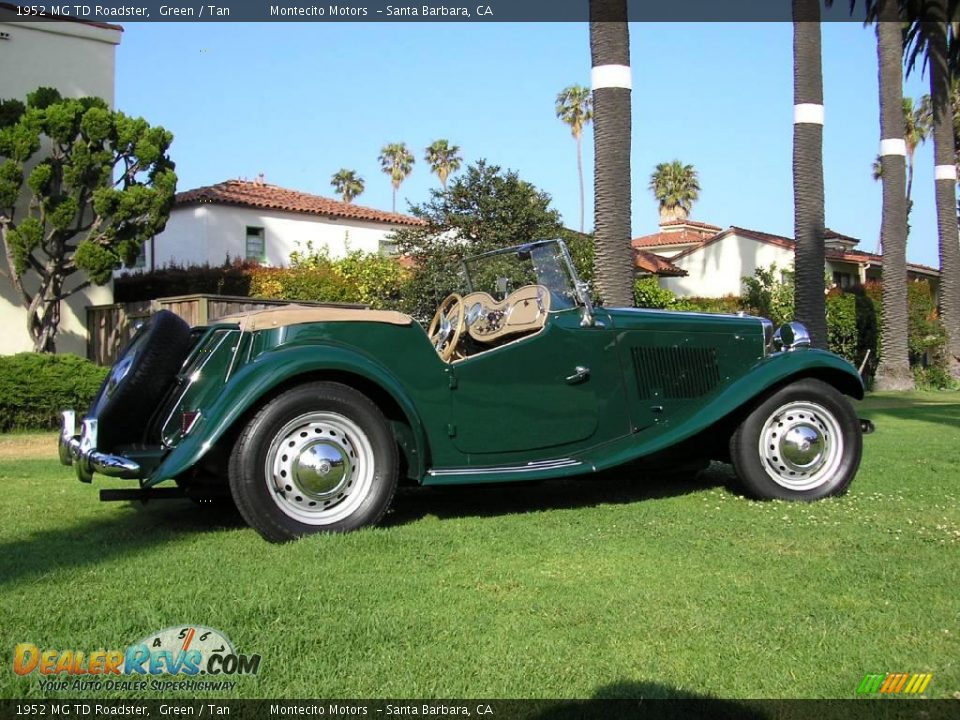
point(97, 539)
point(620, 486)
point(651, 701)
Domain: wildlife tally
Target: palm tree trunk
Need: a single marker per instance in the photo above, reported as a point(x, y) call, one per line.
point(610, 54)
point(945, 172)
point(580, 175)
point(894, 371)
point(394, 201)
point(808, 219)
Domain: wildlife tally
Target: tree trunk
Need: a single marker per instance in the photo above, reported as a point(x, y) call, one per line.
point(610, 54)
point(946, 191)
point(808, 219)
point(580, 176)
point(894, 371)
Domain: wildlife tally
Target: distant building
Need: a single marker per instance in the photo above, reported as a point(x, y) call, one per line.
point(77, 58)
point(240, 219)
point(715, 260)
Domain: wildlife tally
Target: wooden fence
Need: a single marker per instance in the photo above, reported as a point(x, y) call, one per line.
point(110, 327)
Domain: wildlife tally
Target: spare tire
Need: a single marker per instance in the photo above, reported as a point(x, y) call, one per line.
point(139, 379)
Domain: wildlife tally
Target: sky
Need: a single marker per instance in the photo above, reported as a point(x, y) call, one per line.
point(299, 101)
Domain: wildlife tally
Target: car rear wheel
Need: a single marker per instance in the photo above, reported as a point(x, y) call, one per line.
point(319, 458)
point(802, 443)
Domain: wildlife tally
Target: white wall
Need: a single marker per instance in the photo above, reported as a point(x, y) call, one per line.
point(77, 60)
point(198, 234)
point(716, 269)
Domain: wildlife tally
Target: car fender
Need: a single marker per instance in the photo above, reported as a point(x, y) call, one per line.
point(772, 371)
point(248, 387)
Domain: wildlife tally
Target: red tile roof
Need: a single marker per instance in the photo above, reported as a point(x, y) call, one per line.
point(261, 195)
point(665, 239)
point(656, 265)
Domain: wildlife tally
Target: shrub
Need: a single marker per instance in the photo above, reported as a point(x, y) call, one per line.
point(312, 284)
point(231, 278)
point(647, 293)
point(769, 294)
point(729, 304)
point(35, 387)
point(376, 280)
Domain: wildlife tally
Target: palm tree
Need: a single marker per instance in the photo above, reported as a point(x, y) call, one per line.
point(397, 162)
point(808, 220)
point(347, 184)
point(575, 108)
point(916, 121)
point(676, 187)
point(444, 159)
point(895, 132)
point(930, 36)
point(610, 56)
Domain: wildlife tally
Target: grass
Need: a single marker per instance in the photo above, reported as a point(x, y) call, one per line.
point(610, 586)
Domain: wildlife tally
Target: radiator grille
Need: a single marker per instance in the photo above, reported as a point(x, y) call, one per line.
point(676, 372)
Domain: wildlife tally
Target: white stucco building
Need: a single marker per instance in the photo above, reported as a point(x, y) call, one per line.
point(241, 219)
point(77, 58)
point(715, 260)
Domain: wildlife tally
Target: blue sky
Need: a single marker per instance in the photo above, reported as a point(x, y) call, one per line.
point(300, 101)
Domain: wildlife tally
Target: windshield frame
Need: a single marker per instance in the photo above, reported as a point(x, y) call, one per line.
point(575, 285)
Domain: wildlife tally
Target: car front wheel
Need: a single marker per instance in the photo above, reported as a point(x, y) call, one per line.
point(318, 458)
point(804, 442)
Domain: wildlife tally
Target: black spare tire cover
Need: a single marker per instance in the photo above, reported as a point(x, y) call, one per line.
point(139, 379)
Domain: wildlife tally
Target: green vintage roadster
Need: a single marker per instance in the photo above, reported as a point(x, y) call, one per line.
point(308, 417)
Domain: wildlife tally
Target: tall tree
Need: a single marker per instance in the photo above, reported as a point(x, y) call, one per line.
point(347, 184)
point(808, 212)
point(916, 122)
point(98, 184)
point(397, 162)
point(932, 37)
point(574, 107)
point(443, 159)
point(676, 187)
point(894, 370)
point(610, 56)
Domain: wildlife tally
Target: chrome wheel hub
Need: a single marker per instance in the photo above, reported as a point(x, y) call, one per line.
point(801, 445)
point(319, 468)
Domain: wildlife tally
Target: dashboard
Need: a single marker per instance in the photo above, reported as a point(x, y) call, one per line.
point(522, 311)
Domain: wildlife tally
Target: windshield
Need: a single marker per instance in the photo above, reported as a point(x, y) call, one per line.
point(544, 263)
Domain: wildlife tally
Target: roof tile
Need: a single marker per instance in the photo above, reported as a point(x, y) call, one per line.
point(262, 195)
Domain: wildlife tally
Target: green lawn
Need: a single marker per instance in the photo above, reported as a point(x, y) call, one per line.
point(603, 586)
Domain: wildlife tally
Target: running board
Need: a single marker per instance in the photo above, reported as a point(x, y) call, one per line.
point(143, 494)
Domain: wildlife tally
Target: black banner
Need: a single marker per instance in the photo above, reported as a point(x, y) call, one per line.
point(712, 709)
point(124, 11)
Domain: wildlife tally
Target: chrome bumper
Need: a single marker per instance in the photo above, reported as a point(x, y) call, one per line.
point(81, 452)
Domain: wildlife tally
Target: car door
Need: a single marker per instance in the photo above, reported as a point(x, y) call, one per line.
point(550, 393)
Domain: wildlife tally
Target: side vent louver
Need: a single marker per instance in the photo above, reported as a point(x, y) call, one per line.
point(676, 372)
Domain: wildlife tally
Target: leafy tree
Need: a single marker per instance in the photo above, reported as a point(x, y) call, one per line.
point(444, 159)
point(347, 184)
point(676, 187)
point(98, 184)
point(574, 107)
point(483, 209)
point(610, 50)
point(397, 162)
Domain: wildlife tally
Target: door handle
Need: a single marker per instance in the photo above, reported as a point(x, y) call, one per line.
point(581, 374)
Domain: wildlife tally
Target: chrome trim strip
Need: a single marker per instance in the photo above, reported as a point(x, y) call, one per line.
point(529, 467)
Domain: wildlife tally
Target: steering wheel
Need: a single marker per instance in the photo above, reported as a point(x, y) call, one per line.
point(446, 326)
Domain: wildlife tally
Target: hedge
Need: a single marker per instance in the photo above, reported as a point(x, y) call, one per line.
point(35, 387)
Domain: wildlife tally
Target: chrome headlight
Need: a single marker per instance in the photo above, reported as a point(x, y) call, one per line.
point(792, 335)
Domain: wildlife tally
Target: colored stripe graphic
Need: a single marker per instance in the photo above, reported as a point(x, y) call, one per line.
point(894, 683)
